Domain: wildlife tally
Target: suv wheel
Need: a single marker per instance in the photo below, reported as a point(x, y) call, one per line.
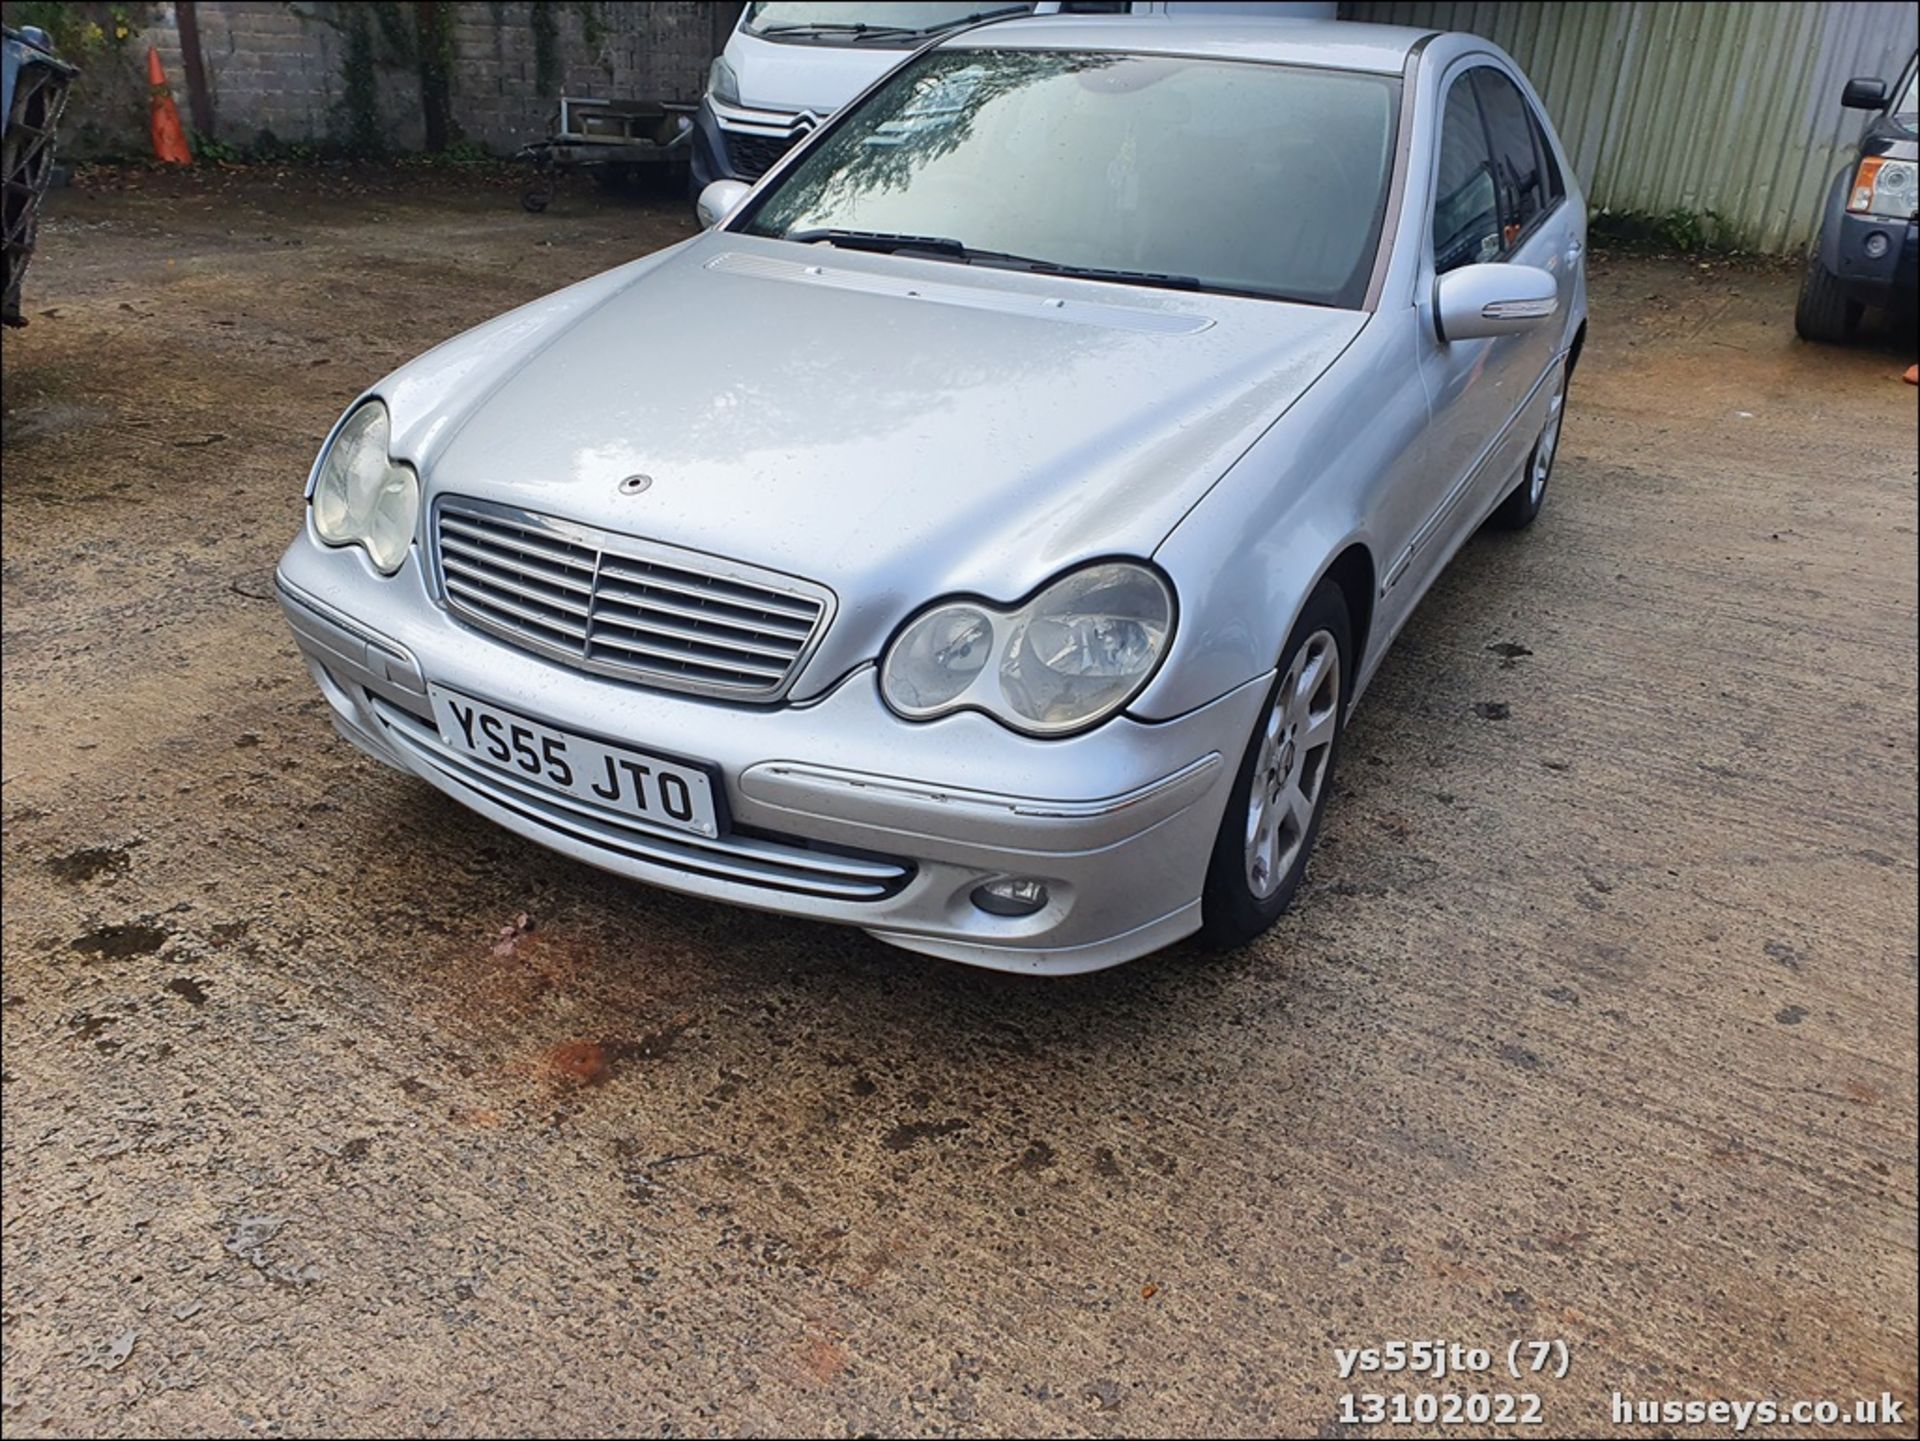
point(1824, 313)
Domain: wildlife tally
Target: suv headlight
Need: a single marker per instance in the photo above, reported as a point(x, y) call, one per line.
point(361, 496)
point(722, 84)
point(1071, 656)
point(1884, 187)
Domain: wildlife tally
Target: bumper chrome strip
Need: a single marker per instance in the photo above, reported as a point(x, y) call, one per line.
point(747, 859)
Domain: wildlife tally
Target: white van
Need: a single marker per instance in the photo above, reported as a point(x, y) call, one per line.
point(791, 63)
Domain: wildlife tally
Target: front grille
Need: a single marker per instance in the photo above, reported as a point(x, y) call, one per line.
point(754, 155)
point(774, 862)
point(618, 606)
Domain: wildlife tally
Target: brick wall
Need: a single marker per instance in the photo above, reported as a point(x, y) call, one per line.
point(279, 68)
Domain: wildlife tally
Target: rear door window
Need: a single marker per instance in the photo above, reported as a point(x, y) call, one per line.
point(1519, 171)
point(1556, 187)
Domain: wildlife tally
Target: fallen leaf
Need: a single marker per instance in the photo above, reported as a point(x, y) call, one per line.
point(582, 1061)
point(510, 935)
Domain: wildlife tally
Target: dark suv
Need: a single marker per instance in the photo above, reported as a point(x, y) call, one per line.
point(1866, 248)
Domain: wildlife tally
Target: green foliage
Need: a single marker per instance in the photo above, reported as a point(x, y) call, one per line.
point(210, 151)
point(1687, 232)
point(269, 148)
point(546, 49)
point(592, 28)
point(362, 85)
point(462, 155)
point(79, 32)
point(387, 33)
point(395, 30)
point(433, 33)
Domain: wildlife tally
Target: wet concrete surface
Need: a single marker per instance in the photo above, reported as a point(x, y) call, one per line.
point(330, 1108)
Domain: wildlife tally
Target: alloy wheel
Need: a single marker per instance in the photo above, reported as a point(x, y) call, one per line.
point(1290, 771)
point(1549, 439)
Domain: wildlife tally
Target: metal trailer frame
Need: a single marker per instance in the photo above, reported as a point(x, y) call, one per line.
point(611, 138)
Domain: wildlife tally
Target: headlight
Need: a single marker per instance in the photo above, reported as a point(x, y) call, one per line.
point(1884, 187)
point(721, 82)
point(363, 498)
point(1074, 654)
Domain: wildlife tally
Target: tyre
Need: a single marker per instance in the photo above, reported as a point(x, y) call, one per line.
point(1281, 789)
point(1523, 502)
point(1824, 313)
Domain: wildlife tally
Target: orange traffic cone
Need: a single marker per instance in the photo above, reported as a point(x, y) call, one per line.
point(169, 140)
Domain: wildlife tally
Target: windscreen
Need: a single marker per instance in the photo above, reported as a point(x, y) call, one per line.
point(1221, 175)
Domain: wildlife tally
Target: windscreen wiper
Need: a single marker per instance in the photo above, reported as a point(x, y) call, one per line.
point(858, 29)
point(1159, 279)
point(861, 30)
point(881, 241)
point(948, 249)
point(991, 12)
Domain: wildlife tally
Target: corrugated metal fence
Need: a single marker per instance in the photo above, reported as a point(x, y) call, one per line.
point(1728, 112)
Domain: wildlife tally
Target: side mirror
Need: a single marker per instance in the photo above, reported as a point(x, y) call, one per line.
point(1483, 300)
point(1864, 93)
point(719, 200)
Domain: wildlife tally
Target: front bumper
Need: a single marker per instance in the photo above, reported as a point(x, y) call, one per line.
point(736, 143)
point(1874, 280)
point(840, 810)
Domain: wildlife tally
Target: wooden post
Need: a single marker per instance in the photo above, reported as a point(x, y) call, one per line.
point(199, 98)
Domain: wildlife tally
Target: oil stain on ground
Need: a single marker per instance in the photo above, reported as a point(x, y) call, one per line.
point(117, 942)
point(88, 863)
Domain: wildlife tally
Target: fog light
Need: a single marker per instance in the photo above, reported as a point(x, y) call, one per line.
point(1877, 244)
point(1011, 897)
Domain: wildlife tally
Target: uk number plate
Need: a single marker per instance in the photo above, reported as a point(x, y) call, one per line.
point(633, 782)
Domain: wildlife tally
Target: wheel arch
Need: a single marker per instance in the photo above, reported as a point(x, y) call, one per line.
point(1354, 572)
point(1833, 215)
point(1307, 501)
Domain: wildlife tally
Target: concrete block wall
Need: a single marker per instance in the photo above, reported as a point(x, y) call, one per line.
point(278, 67)
point(614, 51)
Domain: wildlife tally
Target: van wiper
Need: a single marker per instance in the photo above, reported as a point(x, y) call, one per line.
point(948, 249)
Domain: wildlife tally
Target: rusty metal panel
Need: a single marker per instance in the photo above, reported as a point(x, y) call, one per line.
point(1727, 112)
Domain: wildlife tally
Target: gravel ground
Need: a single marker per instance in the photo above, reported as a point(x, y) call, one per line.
point(332, 1109)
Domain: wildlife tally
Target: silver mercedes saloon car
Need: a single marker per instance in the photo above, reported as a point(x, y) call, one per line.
point(981, 532)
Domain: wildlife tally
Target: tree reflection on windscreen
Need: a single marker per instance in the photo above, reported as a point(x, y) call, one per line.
point(1247, 177)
